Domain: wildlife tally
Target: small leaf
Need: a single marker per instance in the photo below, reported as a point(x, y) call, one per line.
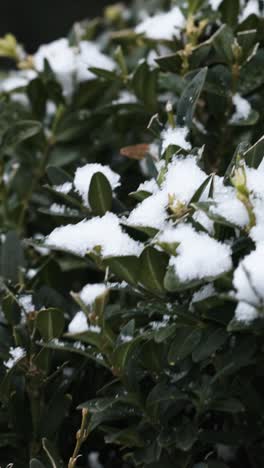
point(212, 340)
point(125, 268)
point(11, 257)
point(186, 339)
point(57, 176)
point(189, 98)
point(19, 132)
point(100, 194)
point(34, 463)
point(50, 323)
point(153, 266)
point(196, 197)
point(144, 83)
point(254, 155)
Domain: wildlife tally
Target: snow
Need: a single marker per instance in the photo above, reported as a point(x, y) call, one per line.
point(255, 181)
point(232, 210)
point(16, 354)
point(125, 97)
point(249, 277)
point(215, 4)
point(90, 56)
point(84, 236)
point(251, 8)
point(63, 188)
point(83, 177)
point(61, 58)
point(163, 26)
point(198, 255)
point(151, 212)
point(242, 109)
point(257, 232)
point(93, 459)
point(26, 302)
point(16, 80)
point(175, 136)
point(90, 292)
point(57, 209)
point(245, 313)
point(78, 324)
point(203, 293)
point(183, 178)
point(150, 186)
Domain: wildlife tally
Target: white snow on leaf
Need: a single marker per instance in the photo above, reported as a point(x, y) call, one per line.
point(90, 56)
point(175, 136)
point(90, 292)
point(26, 302)
point(232, 210)
point(150, 186)
point(255, 181)
point(151, 212)
point(78, 324)
point(215, 4)
point(125, 97)
point(63, 188)
point(206, 291)
point(183, 178)
point(198, 255)
point(56, 208)
point(83, 177)
point(164, 26)
point(62, 60)
point(251, 8)
point(257, 232)
point(245, 312)
point(242, 109)
point(249, 278)
point(84, 236)
point(15, 355)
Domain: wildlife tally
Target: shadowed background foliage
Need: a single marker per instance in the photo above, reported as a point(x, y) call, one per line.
point(36, 22)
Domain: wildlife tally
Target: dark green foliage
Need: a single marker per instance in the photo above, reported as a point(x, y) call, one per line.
point(169, 382)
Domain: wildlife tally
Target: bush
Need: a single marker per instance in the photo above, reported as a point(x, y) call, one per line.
point(132, 295)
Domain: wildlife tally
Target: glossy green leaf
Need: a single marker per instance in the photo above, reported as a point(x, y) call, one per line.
point(188, 100)
point(100, 194)
point(50, 323)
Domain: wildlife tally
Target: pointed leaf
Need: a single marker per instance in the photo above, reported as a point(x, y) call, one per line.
point(189, 98)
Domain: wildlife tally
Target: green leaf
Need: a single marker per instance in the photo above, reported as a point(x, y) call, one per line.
point(254, 155)
point(212, 340)
point(19, 132)
point(34, 463)
point(222, 43)
point(100, 194)
point(50, 323)
point(144, 83)
point(11, 257)
point(153, 266)
point(230, 11)
point(57, 176)
point(189, 98)
point(228, 406)
point(185, 341)
point(197, 195)
point(125, 268)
